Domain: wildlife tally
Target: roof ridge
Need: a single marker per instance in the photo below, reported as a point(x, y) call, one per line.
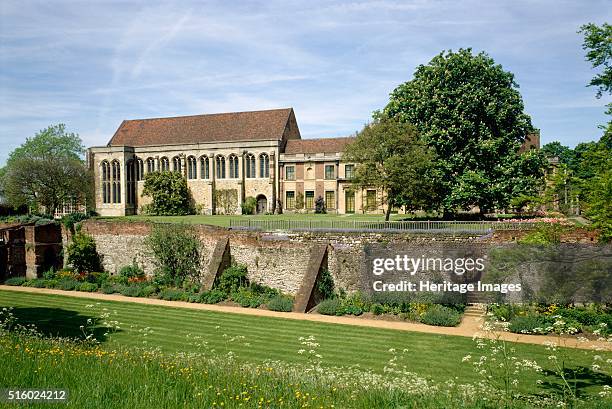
point(210, 114)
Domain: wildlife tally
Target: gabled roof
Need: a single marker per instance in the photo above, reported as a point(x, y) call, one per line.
point(225, 127)
point(321, 145)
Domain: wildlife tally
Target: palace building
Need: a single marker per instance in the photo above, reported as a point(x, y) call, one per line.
point(225, 159)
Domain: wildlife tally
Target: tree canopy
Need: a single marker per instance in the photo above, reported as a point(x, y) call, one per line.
point(389, 156)
point(46, 171)
point(469, 110)
point(169, 192)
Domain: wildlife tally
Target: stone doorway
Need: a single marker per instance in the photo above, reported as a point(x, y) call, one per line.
point(262, 204)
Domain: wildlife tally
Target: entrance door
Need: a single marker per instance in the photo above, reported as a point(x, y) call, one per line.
point(262, 204)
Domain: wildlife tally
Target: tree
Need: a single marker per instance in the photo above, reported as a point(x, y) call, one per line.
point(390, 157)
point(320, 205)
point(555, 149)
point(47, 171)
point(469, 110)
point(169, 192)
point(598, 44)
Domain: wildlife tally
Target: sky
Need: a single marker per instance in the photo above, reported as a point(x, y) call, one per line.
point(92, 64)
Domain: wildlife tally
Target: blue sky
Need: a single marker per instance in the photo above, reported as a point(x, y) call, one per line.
point(91, 64)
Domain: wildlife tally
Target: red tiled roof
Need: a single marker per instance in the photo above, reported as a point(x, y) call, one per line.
point(233, 126)
point(321, 145)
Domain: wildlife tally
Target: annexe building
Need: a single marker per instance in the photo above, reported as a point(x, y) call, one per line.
point(226, 158)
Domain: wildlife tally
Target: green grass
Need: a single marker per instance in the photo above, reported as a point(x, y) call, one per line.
point(223, 221)
point(433, 356)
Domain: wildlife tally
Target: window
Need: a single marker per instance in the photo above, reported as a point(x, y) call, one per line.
point(330, 172)
point(130, 169)
point(290, 200)
point(139, 169)
point(349, 171)
point(192, 167)
point(371, 200)
point(220, 167)
point(264, 166)
point(116, 181)
point(164, 164)
point(176, 164)
point(105, 171)
point(150, 165)
point(233, 166)
point(204, 169)
point(349, 201)
point(309, 199)
point(290, 173)
point(330, 199)
point(309, 173)
point(250, 166)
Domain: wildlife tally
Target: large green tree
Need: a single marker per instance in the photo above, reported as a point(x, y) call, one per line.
point(169, 192)
point(470, 111)
point(389, 156)
point(46, 171)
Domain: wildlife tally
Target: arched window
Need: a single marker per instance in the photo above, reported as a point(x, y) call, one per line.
point(130, 175)
point(204, 169)
point(233, 166)
point(220, 167)
point(164, 164)
point(105, 173)
point(139, 169)
point(264, 166)
point(176, 164)
point(150, 165)
point(192, 168)
point(116, 181)
point(250, 166)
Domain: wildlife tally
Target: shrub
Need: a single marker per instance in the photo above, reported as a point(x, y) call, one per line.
point(356, 303)
point(249, 205)
point(87, 287)
point(148, 290)
point(67, 284)
point(332, 306)
point(532, 324)
point(169, 193)
point(49, 274)
point(213, 296)
point(51, 283)
point(247, 298)
point(130, 290)
point(325, 284)
point(109, 288)
point(176, 249)
point(36, 283)
point(441, 316)
point(232, 279)
point(281, 302)
point(82, 253)
point(320, 205)
point(173, 294)
point(71, 219)
point(377, 309)
point(97, 278)
point(132, 271)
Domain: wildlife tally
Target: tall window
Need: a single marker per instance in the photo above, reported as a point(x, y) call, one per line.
point(164, 164)
point(192, 168)
point(290, 173)
point(349, 201)
point(116, 181)
point(233, 166)
point(204, 169)
point(290, 200)
point(264, 166)
point(176, 164)
point(349, 171)
point(330, 172)
point(220, 167)
point(105, 171)
point(139, 169)
point(371, 200)
point(150, 165)
point(330, 199)
point(250, 165)
point(130, 176)
point(309, 200)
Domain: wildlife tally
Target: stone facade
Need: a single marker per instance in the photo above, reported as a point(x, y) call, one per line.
point(251, 159)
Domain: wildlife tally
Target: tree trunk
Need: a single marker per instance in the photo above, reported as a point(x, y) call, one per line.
point(388, 212)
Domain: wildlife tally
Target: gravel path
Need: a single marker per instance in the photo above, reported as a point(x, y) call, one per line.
point(469, 327)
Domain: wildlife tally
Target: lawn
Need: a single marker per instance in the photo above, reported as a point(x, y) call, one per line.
point(222, 220)
point(435, 357)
